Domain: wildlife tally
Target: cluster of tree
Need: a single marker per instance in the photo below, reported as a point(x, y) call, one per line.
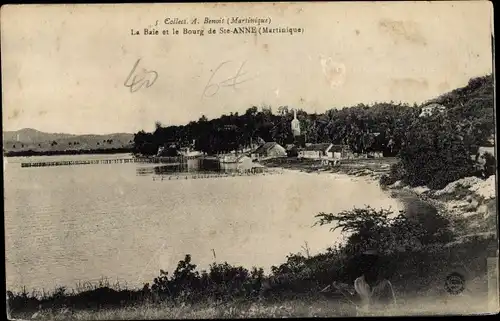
point(441, 148)
point(381, 127)
point(434, 150)
point(363, 128)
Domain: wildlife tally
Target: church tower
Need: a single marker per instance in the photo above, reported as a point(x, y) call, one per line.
point(295, 124)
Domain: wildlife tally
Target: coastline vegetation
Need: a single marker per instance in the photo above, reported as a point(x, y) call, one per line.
point(380, 127)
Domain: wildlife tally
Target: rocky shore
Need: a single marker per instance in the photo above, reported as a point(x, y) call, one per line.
point(470, 201)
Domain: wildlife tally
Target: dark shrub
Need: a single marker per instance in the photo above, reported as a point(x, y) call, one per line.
point(396, 173)
point(436, 152)
point(419, 225)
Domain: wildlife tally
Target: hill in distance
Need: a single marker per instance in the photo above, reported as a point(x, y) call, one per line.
point(31, 139)
point(478, 89)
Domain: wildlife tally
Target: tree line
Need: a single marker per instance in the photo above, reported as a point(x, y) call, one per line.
point(381, 127)
point(363, 128)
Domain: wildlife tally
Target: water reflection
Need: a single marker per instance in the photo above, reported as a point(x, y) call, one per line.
point(204, 166)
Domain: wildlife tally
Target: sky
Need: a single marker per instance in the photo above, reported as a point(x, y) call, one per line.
point(69, 68)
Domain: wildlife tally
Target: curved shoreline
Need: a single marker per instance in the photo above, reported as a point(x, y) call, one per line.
point(287, 171)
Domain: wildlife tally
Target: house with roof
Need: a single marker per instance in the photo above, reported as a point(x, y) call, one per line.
point(233, 159)
point(292, 150)
point(188, 151)
point(324, 150)
point(338, 152)
point(269, 150)
point(241, 163)
point(482, 150)
point(168, 149)
point(314, 151)
point(245, 164)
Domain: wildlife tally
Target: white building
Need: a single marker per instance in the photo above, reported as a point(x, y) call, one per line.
point(269, 150)
point(295, 124)
point(431, 109)
point(324, 151)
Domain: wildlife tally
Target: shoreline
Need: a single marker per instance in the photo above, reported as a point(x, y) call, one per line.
point(315, 246)
point(470, 200)
point(142, 309)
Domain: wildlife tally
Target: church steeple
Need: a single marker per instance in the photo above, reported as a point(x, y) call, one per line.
point(295, 124)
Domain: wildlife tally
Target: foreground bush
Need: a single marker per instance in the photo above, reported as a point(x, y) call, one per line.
point(436, 152)
point(389, 232)
point(221, 282)
point(396, 173)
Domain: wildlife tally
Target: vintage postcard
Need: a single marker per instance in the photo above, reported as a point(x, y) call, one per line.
point(215, 160)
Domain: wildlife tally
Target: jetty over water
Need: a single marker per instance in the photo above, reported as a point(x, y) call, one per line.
point(155, 160)
point(184, 176)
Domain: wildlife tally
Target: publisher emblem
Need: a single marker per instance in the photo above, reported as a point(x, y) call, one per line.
point(455, 283)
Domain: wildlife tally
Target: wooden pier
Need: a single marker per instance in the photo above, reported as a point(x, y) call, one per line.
point(155, 160)
point(184, 176)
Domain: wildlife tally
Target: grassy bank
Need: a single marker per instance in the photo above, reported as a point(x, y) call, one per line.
point(419, 287)
point(285, 309)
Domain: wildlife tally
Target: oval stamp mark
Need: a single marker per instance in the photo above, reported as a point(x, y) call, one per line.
point(455, 283)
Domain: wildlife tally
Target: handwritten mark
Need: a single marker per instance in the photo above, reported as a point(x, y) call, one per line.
point(139, 79)
point(211, 89)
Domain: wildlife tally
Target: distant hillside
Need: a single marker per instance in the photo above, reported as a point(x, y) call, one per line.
point(33, 140)
point(474, 102)
point(29, 135)
point(478, 89)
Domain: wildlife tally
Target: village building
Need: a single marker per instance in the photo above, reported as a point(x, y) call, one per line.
point(167, 149)
point(292, 150)
point(295, 125)
point(375, 154)
point(246, 165)
point(269, 150)
point(339, 152)
point(189, 152)
point(241, 163)
point(491, 140)
point(314, 151)
point(230, 158)
point(482, 150)
point(324, 150)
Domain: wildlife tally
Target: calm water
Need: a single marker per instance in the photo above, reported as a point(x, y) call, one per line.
point(80, 223)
